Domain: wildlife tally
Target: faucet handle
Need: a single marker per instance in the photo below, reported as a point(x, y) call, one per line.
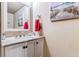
point(23, 35)
point(20, 35)
point(33, 33)
point(3, 36)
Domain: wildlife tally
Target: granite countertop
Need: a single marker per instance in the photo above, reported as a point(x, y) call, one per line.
point(13, 40)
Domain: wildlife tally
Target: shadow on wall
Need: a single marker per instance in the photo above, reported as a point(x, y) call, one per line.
point(46, 49)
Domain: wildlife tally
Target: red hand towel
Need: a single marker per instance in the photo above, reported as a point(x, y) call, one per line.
point(26, 25)
point(37, 25)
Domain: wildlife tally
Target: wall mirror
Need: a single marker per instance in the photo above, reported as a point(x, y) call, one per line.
point(19, 15)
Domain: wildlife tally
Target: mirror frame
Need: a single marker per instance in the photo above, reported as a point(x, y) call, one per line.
point(4, 18)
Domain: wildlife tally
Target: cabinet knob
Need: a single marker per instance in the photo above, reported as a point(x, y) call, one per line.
point(36, 42)
point(23, 47)
point(26, 46)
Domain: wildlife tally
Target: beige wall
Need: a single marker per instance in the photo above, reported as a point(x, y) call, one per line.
point(62, 38)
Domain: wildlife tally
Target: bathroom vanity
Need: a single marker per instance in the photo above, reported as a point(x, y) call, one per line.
point(14, 16)
point(23, 47)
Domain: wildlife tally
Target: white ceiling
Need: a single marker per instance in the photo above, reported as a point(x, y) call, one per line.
point(14, 6)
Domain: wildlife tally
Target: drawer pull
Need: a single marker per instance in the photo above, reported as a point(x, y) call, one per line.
point(23, 47)
point(36, 42)
point(26, 46)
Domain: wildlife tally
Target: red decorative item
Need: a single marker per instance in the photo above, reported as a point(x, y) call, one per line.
point(37, 25)
point(26, 25)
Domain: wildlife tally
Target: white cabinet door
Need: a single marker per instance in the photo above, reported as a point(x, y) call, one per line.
point(29, 50)
point(39, 48)
point(14, 51)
